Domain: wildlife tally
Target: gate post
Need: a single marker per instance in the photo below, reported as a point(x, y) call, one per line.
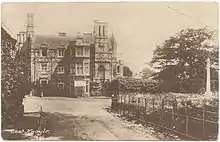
point(138, 108)
point(203, 123)
point(162, 111)
point(145, 108)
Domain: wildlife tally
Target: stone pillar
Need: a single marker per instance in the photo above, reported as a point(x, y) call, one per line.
point(208, 84)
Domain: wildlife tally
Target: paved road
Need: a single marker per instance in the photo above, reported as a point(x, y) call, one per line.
point(85, 119)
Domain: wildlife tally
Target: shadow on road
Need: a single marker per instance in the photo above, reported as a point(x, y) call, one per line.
point(13, 131)
point(64, 126)
point(60, 126)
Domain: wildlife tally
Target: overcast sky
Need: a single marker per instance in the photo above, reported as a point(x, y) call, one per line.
point(138, 27)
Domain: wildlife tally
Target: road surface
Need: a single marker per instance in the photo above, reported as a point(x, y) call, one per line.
point(85, 119)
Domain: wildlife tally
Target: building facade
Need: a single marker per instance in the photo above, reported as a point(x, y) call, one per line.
point(71, 66)
point(105, 55)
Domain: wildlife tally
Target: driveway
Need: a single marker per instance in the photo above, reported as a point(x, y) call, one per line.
point(85, 119)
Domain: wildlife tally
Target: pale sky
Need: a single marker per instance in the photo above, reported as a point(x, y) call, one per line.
point(138, 27)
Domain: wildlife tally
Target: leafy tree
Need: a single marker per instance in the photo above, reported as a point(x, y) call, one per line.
point(127, 71)
point(182, 61)
point(14, 83)
point(147, 72)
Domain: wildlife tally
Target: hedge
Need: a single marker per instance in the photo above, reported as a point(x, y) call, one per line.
point(130, 84)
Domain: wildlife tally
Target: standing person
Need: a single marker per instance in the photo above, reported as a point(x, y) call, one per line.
point(113, 101)
point(41, 94)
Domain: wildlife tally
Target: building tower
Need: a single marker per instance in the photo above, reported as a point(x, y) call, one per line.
point(29, 42)
point(103, 54)
point(30, 25)
point(100, 33)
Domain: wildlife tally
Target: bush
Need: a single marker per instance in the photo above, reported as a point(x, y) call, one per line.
point(130, 84)
point(15, 86)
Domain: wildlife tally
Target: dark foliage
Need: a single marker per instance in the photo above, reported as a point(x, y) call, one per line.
point(182, 61)
point(127, 71)
point(130, 84)
point(14, 82)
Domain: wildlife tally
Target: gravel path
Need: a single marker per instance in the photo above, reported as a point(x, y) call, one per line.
point(85, 119)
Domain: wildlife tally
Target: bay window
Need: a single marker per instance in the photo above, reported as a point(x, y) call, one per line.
point(86, 68)
point(79, 68)
point(79, 51)
point(86, 51)
point(82, 51)
point(72, 68)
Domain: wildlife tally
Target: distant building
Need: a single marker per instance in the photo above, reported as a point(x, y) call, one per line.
point(71, 66)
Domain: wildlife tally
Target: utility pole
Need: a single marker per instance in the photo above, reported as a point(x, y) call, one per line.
point(208, 84)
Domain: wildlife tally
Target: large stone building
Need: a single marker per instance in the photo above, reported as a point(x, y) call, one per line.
point(70, 65)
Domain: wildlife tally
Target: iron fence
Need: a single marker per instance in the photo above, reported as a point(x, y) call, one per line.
point(195, 124)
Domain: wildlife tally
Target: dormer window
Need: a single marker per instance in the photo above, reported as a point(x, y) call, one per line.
point(44, 45)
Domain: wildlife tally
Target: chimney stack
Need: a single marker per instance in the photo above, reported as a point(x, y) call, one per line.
point(62, 34)
point(30, 25)
point(22, 37)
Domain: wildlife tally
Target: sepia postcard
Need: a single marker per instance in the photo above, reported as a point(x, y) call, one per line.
point(109, 71)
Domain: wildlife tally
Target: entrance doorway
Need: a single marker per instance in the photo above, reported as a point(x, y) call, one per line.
point(72, 88)
point(79, 91)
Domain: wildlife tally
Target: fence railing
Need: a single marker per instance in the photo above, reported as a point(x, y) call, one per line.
point(193, 123)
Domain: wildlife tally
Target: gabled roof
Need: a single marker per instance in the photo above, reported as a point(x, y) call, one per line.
point(56, 41)
point(53, 41)
point(6, 35)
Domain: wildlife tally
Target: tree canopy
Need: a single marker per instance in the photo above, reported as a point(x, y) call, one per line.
point(147, 72)
point(182, 61)
point(14, 83)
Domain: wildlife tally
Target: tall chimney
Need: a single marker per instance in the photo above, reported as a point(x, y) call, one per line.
point(30, 25)
point(18, 38)
point(22, 37)
point(62, 34)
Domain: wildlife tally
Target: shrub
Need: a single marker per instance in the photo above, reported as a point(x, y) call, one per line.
point(14, 85)
point(130, 84)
